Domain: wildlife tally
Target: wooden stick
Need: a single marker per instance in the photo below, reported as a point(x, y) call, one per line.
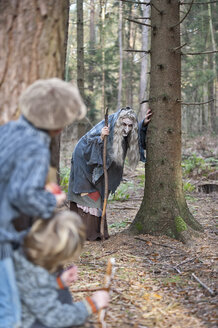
point(203, 285)
point(87, 290)
point(105, 180)
point(107, 284)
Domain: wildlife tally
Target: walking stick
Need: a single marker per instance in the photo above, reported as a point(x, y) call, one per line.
point(105, 180)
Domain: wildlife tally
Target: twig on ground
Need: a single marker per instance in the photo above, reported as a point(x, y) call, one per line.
point(203, 285)
point(186, 261)
point(163, 245)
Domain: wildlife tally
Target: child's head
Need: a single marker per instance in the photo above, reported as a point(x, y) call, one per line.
point(55, 242)
point(51, 104)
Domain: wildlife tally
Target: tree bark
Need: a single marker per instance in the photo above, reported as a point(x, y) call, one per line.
point(32, 46)
point(120, 32)
point(80, 48)
point(143, 95)
point(102, 11)
point(164, 210)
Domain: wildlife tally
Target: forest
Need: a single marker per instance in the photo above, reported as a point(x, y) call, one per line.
point(157, 55)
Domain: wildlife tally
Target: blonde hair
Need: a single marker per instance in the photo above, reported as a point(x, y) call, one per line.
point(133, 142)
point(54, 242)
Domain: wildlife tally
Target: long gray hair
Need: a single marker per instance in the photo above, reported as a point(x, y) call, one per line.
point(133, 143)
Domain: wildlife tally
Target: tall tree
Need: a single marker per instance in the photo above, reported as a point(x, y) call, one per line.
point(32, 46)
point(143, 93)
point(164, 209)
point(120, 32)
point(80, 47)
point(103, 4)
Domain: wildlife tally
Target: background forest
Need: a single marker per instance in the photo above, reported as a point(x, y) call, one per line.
point(114, 66)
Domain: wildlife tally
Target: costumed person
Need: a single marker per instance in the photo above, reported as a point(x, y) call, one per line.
point(126, 137)
point(48, 246)
point(46, 106)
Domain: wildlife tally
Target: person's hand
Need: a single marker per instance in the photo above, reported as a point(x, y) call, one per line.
point(104, 132)
point(57, 192)
point(60, 198)
point(101, 299)
point(69, 275)
point(147, 117)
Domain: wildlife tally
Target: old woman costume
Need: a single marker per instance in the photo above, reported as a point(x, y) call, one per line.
point(86, 185)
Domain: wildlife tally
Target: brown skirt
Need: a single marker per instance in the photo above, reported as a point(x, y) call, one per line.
point(92, 223)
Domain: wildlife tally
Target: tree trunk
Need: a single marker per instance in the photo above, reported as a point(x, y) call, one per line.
point(119, 100)
point(212, 63)
point(164, 210)
point(102, 45)
point(144, 66)
point(91, 46)
point(80, 48)
point(32, 46)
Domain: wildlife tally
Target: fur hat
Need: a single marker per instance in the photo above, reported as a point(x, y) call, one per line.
point(51, 104)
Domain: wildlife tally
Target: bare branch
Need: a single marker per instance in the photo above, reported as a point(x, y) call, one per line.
point(143, 3)
point(195, 104)
point(144, 101)
point(198, 3)
point(134, 21)
point(184, 16)
point(177, 48)
point(200, 53)
point(142, 18)
point(160, 11)
point(137, 2)
point(135, 50)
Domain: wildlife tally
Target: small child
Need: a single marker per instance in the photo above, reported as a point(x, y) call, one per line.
point(45, 299)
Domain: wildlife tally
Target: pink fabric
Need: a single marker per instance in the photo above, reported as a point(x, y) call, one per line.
point(91, 210)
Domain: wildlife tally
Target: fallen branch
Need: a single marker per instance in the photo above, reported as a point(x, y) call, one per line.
point(163, 245)
point(186, 261)
point(203, 285)
point(87, 290)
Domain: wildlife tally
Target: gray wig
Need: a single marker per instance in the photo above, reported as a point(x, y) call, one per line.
point(133, 142)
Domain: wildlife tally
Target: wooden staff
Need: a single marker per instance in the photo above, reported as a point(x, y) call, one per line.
point(105, 180)
point(107, 286)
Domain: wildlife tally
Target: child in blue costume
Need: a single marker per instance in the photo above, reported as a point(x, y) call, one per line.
point(47, 106)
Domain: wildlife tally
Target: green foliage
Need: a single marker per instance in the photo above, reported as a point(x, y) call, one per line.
point(121, 193)
point(188, 187)
point(174, 279)
point(141, 178)
point(64, 178)
point(118, 225)
point(197, 165)
point(180, 224)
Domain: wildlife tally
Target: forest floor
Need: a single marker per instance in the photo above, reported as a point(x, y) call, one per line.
point(153, 285)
